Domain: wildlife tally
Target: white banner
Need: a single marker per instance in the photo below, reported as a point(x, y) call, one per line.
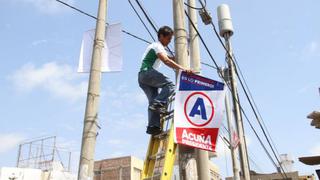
point(199, 110)
point(111, 53)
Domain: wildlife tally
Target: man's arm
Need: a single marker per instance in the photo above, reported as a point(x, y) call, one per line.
point(169, 62)
point(172, 58)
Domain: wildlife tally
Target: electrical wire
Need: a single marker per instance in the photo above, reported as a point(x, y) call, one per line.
point(146, 15)
point(227, 143)
point(254, 103)
point(149, 19)
point(151, 23)
point(249, 97)
point(246, 117)
point(206, 64)
point(233, 58)
point(138, 15)
point(244, 84)
point(137, 37)
point(89, 15)
point(196, 8)
point(72, 7)
point(214, 61)
point(208, 51)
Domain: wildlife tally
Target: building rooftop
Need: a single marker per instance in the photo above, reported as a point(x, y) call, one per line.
point(310, 160)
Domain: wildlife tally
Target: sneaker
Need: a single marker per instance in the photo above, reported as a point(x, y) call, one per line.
point(158, 107)
point(153, 130)
point(162, 110)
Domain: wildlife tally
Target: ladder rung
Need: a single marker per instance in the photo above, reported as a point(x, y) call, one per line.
point(157, 156)
point(169, 113)
point(162, 135)
point(155, 177)
point(169, 117)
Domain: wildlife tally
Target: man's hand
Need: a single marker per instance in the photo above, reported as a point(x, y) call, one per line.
point(189, 71)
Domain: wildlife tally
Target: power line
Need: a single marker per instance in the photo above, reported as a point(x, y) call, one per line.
point(233, 57)
point(150, 21)
point(139, 38)
point(152, 24)
point(126, 32)
point(146, 15)
point(211, 56)
point(214, 61)
point(197, 8)
point(228, 144)
point(72, 7)
point(89, 15)
point(254, 103)
point(145, 26)
point(249, 98)
point(255, 132)
point(206, 64)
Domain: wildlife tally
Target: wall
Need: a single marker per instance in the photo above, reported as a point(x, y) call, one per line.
point(20, 173)
point(9, 173)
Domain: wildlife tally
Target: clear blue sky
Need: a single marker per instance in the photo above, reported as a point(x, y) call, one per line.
point(277, 44)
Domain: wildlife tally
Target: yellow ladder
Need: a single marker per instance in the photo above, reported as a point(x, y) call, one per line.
point(159, 161)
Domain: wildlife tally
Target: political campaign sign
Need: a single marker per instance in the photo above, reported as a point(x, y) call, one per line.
point(198, 111)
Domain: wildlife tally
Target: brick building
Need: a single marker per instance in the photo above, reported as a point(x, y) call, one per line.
point(121, 168)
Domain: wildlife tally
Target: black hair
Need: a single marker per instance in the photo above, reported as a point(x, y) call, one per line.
point(165, 31)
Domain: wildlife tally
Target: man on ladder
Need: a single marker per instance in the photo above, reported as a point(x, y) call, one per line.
point(150, 80)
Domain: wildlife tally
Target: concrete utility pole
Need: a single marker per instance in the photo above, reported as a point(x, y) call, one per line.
point(180, 44)
point(180, 34)
point(91, 114)
point(202, 157)
point(226, 31)
point(235, 165)
point(195, 62)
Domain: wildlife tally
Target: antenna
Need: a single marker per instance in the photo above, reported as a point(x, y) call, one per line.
point(225, 21)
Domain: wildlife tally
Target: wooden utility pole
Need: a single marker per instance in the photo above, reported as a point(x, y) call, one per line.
point(91, 113)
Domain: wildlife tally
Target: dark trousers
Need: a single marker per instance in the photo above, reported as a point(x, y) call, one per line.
point(151, 81)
